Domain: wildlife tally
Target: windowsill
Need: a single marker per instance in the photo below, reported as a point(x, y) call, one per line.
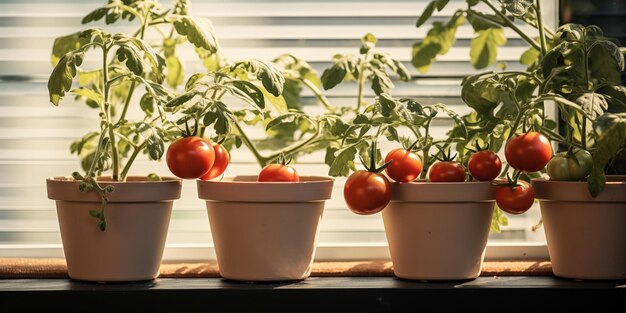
point(362, 286)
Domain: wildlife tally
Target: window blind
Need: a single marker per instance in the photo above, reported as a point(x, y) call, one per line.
point(35, 136)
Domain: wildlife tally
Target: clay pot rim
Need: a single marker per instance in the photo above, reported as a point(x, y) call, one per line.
point(252, 179)
point(135, 189)
point(427, 191)
point(577, 191)
point(309, 188)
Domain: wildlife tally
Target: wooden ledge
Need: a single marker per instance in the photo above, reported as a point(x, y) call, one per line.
point(56, 268)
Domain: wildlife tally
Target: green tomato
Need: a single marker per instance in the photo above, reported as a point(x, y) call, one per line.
point(564, 167)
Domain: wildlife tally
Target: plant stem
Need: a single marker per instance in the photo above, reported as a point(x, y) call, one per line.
point(319, 95)
point(260, 159)
point(107, 113)
point(583, 133)
point(131, 160)
point(542, 34)
point(361, 81)
point(296, 146)
point(512, 25)
point(426, 150)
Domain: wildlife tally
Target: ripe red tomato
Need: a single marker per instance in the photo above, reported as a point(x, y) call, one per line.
point(446, 171)
point(190, 157)
point(529, 152)
point(222, 158)
point(515, 200)
point(405, 165)
point(484, 165)
point(278, 173)
point(367, 192)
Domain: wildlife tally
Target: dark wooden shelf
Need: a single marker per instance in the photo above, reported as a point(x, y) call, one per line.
point(356, 294)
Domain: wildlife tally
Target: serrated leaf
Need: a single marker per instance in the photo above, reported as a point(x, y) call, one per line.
point(381, 83)
point(62, 75)
point(593, 104)
point(199, 31)
point(437, 42)
point(426, 14)
point(270, 76)
point(368, 42)
point(89, 94)
point(251, 90)
point(484, 47)
point(343, 161)
point(65, 44)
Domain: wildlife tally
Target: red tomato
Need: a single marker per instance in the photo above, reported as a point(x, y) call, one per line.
point(405, 165)
point(367, 192)
point(278, 173)
point(484, 165)
point(515, 200)
point(190, 157)
point(529, 152)
point(222, 159)
point(446, 171)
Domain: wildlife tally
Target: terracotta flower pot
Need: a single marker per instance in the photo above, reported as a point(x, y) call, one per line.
point(265, 231)
point(586, 236)
point(438, 231)
point(137, 215)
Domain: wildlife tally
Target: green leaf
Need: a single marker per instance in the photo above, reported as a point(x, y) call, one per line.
point(251, 90)
point(147, 104)
point(283, 119)
point(132, 57)
point(62, 75)
point(441, 4)
point(368, 42)
point(155, 147)
point(616, 96)
point(89, 94)
point(498, 219)
point(334, 75)
point(381, 83)
point(484, 47)
point(180, 100)
point(175, 73)
point(517, 7)
point(593, 104)
point(428, 12)
point(606, 62)
point(438, 41)
point(65, 44)
point(199, 31)
point(530, 56)
point(481, 21)
point(270, 76)
point(344, 161)
point(608, 144)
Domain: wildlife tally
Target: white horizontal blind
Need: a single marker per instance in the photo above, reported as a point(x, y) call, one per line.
point(35, 136)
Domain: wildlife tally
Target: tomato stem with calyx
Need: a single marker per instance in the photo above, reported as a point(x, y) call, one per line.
point(445, 155)
point(283, 159)
point(372, 166)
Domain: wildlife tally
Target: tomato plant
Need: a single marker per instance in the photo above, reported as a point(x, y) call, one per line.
point(405, 164)
point(515, 198)
point(528, 152)
point(279, 172)
point(484, 165)
point(222, 159)
point(190, 157)
point(446, 169)
point(572, 165)
point(368, 191)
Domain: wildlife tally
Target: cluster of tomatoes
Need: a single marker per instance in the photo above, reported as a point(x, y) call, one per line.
point(193, 157)
point(369, 191)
